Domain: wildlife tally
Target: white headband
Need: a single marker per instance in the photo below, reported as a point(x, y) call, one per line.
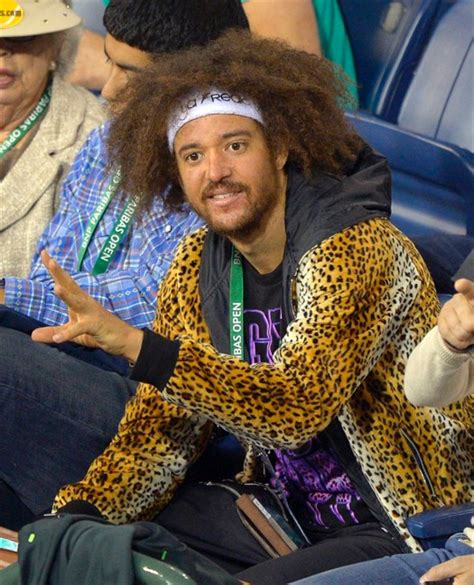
point(209, 103)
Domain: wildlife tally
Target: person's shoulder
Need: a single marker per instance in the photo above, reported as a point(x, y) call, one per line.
point(191, 245)
point(367, 250)
point(94, 147)
point(377, 234)
point(186, 262)
point(78, 101)
point(196, 238)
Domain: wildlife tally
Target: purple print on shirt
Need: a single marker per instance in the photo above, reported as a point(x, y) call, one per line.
point(321, 478)
point(263, 334)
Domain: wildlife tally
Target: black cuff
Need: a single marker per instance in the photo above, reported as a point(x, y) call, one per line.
point(156, 361)
point(80, 507)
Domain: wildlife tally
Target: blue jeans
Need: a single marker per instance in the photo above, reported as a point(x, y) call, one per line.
point(403, 569)
point(444, 254)
point(15, 320)
point(57, 413)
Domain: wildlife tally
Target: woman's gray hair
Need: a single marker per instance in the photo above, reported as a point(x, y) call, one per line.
point(68, 40)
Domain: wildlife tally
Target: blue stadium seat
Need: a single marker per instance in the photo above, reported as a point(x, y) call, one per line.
point(439, 101)
point(91, 12)
point(432, 194)
point(432, 181)
point(433, 527)
point(388, 38)
point(430, 151)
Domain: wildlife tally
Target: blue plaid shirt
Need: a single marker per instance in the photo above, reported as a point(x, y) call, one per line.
point(129, 286)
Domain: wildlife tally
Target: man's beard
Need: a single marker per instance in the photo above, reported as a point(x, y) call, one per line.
point(250, 222)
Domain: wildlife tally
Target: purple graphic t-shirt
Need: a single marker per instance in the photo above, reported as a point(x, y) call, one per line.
point(312, 477)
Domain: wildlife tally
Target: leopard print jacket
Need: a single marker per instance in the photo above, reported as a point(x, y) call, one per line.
point(362, 300)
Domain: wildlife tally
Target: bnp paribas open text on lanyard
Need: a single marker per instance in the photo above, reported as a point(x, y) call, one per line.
point(119, 231)
point(237, 340)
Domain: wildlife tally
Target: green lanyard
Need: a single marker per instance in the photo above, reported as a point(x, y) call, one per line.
point(119, 230)
point(20, 131)
point(236, 305)
point(236, 324)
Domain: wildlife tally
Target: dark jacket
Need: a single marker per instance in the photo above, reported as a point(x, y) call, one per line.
point(83, 550)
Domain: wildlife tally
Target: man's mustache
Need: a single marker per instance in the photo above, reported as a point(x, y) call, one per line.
point(212, 188)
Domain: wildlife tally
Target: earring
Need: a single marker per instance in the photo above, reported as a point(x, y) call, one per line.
point(52, 66)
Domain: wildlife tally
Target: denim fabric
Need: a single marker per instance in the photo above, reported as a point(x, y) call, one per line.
point(14, 320)
point(57, 413)
point(396, 570)
point(443, 255)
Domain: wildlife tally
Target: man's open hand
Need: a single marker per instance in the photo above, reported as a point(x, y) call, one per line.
point(89, 323)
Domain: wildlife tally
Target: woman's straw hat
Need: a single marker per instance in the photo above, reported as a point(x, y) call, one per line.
point(23, 18)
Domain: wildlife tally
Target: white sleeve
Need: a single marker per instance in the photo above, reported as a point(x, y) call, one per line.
point(436, 375)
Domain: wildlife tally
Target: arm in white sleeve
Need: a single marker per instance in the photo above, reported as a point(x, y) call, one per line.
point(436, 375)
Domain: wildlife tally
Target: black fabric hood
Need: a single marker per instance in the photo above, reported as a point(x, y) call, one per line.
point(323, 205)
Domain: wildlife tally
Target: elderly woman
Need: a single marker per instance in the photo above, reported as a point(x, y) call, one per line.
point(43, 121)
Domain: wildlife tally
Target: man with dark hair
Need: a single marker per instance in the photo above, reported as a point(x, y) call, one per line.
point(288, 322)
point(117, 260)
point(182, 24)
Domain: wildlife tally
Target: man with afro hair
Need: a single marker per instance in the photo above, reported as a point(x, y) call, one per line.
point(287, 321)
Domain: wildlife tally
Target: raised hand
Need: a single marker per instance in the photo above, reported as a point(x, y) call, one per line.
point(456, 319)
point(89, 323)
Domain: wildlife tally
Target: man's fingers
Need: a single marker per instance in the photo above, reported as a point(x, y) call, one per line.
point(456, 322)
point(59, 275)
point(458, 566)
point(64, 285)
point(46, 334)
point(465, 313)
point(465, 287)
point(77, 301)
point(452, 331)
point(449, 325)
point(59, 334)
point(50, 264)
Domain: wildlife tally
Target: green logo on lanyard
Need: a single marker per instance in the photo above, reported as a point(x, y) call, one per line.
point(119, 231)
point(22, 130)
point(236, 306)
